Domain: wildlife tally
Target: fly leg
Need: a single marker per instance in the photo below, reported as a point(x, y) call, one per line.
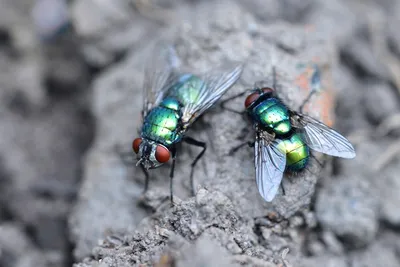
point(127, 159)
point(283, 189)
point(230, 99)
point(321, 165)
point(146, 177)
point(171, 176)
point(194, 142)
point(315, 82)
point(315, 169)
point(236, 148)
point(306, 100)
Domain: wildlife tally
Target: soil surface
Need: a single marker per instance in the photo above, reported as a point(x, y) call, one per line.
point(71, 93)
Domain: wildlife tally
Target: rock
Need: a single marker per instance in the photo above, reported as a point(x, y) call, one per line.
point(209, 222)
point(338, 20)
point(326, 260)
point(388, 197)
point(41, 141)
point(393, 19)
point(348, 208)
point(385, 187)
point(110, 28)
point(351, 95)
point(65, 72)
point(45, 127)
point(376, 255)
point(332, 243)
point(380, 93)
point(17, 250)
point(264, 10)
point(50, 17)
point(39, 194)
point(115, 115)
point(205, 253)
point(107, 183)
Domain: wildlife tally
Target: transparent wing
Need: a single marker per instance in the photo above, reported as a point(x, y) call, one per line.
point(270, 164)
point(215, 84)
point(158, 75)
point(324, 139)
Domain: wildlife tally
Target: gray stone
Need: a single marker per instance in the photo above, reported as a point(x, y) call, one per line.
point(376, 255)
point(394, 19)
point(41, 140)
point(109, 28)
point(388, 187)
point(325, 260)
point(380, 102)
point(349, 208)
point(224, 211)
point(17, 250)
point(205, 253)
point(351, 95)
point(210, 222)
point(337, 21)
point(45, 127)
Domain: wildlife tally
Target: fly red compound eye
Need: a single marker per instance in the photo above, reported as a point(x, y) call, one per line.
point(267, 90)
point(162, 154)
point(135, 144)
point(251, 99)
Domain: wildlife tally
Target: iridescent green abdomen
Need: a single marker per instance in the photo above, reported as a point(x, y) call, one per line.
point(273, 114)
point(187, 89)
point(297, 152)
point(162, 123)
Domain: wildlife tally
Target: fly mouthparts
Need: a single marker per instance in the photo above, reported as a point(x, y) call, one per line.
point(139, 161)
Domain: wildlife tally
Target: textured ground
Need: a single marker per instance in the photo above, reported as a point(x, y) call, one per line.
point(65, 197)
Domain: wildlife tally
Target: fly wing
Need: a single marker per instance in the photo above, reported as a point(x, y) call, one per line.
point(215, 84)
point(158, 75)
point(270, 164)
point(324, 139)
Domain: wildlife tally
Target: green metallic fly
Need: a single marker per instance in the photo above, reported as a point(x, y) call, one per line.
point(173, 100)
point(284, 137)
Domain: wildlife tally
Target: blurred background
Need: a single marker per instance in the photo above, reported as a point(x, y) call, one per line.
point(68, 71)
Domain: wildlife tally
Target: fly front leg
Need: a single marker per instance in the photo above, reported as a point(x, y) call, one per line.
point(194, 142)
point(171, 176)
point(128, 159)
point(308, 98)
point(230, 99)
point(146, 177)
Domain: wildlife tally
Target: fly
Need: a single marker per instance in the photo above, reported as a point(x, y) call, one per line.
point(173, 101)
point(284, 137)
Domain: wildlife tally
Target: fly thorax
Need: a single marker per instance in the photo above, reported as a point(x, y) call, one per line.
point(171, 103)
point(271, 113)
point(162, 124)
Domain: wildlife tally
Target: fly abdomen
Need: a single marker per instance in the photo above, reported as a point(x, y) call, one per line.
point(297, 152)
point(161, 125)
point(271, 113)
